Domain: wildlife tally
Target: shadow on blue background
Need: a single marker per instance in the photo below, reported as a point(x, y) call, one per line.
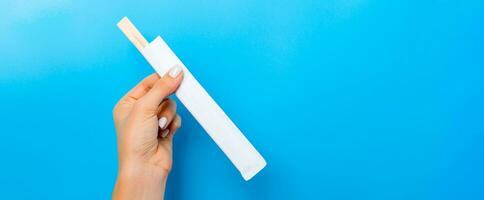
point(346, 99)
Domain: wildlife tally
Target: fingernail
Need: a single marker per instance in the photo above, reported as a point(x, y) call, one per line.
point(165, 133)
point(179, 121)
point(175, 71)
point(162, 122)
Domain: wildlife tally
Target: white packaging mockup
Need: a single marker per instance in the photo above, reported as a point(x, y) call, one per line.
point(206, 111)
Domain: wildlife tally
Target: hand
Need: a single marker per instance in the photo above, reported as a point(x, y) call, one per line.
point(145, 122)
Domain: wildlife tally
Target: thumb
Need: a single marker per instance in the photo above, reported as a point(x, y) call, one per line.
point(164, 87)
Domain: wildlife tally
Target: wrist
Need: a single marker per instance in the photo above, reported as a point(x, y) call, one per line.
point(140, 182)
point(142, 171)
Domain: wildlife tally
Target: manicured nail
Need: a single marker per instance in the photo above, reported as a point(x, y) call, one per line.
point(162, 122)
point(179, 120)
point(175, 71)
point(165, 133)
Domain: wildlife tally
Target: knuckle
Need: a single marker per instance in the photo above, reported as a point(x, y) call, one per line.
point(169, 113)
point(142, 108)
point(121, 106)
point(172, 104)
point(144, 87)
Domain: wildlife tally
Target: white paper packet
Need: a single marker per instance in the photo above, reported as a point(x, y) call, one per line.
point(206, 111)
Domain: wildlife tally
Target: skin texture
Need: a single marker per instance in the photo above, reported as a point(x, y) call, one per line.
point(145, 157)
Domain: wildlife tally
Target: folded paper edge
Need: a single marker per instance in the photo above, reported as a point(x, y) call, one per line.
point(247, 175)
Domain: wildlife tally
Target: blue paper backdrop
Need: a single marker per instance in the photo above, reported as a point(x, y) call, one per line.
point(346, 99)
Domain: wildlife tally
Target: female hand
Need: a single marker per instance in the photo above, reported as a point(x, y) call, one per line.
point(145, 122)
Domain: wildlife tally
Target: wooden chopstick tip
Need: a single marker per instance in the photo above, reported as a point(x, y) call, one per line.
point(132, 33)
point(123, 22)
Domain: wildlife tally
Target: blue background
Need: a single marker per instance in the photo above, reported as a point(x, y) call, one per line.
point(346, 99)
